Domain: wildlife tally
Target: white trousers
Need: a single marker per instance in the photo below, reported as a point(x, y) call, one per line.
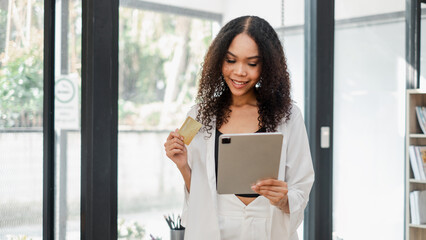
point(238, 221)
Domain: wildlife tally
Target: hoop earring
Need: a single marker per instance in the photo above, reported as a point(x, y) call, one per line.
point(259, 83)
point(222, 84)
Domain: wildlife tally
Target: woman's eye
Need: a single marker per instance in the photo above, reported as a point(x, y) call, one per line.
point(230, 61)
point(252, 64)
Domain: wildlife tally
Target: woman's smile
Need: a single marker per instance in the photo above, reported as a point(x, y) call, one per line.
point(239, 84)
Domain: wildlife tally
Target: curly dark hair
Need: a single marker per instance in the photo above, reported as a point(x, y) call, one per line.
point(273, 90)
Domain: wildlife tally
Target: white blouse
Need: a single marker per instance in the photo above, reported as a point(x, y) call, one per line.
point(200, 212)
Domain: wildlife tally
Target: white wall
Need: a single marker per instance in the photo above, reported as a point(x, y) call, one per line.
point(270, 10)
point(294, 12)
point(202, 5)
point(359, 8)
point(293, 9)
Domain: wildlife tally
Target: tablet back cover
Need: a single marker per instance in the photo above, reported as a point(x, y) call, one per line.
point(245, 158)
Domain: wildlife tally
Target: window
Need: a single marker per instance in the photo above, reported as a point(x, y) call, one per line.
point(159, 63)
point(369, 122)
point(21, 118)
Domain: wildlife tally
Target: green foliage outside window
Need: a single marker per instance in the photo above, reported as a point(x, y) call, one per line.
point(159, 61)
point(21, 67)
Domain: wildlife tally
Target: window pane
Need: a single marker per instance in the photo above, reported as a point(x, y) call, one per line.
point(21, 118)
point(369, 126)
point(292, 39)
point(293, 44)
point(67, 119)
point(159, 61)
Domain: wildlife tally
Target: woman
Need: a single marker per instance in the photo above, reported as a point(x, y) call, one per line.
point(244, 88)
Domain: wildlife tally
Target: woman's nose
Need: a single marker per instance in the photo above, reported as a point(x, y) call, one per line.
point(240, 70)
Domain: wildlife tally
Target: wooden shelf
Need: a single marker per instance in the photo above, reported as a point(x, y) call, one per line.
point(417, 226)
point(417, 135)
point(417, 181)
point(416, 91)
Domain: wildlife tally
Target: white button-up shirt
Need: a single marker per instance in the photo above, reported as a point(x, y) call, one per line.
point(200, 211)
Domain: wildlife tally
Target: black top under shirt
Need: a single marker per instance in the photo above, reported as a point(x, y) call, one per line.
point(216, 147)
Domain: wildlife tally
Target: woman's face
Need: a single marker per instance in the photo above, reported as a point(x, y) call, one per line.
point(242, 67)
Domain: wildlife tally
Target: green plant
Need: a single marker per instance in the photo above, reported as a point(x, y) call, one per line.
point(21, 89)
point(21, 65)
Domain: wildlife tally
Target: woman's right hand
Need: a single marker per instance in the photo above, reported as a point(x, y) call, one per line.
point(176, 149)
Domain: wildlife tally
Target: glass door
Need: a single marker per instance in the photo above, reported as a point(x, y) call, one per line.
point(21, 119)
point(369, 124)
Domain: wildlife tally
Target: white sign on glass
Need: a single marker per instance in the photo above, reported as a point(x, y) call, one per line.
point(66, 102)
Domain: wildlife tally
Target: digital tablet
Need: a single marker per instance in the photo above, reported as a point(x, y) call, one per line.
point(243, 159)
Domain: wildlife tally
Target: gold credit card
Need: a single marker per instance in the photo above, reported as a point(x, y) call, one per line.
point(189, 129)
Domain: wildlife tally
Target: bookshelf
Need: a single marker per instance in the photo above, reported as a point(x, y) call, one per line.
point(414, 136)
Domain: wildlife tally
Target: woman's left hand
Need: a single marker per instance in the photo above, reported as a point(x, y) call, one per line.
point(274, 190)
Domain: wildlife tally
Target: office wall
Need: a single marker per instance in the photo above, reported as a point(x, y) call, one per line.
point(360, 8)
point(271, 12)
point(294, 10)
point(202, 5)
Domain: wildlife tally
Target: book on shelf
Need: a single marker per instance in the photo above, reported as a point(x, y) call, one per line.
point(418, 207)
point(421, 117)
point(418, 161)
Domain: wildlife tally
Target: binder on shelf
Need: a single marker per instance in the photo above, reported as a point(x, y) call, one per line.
point(421, 117)
point(421, 160)
point(418, 161)
point(413, 163)
point(418, 207)
point(413, 209)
